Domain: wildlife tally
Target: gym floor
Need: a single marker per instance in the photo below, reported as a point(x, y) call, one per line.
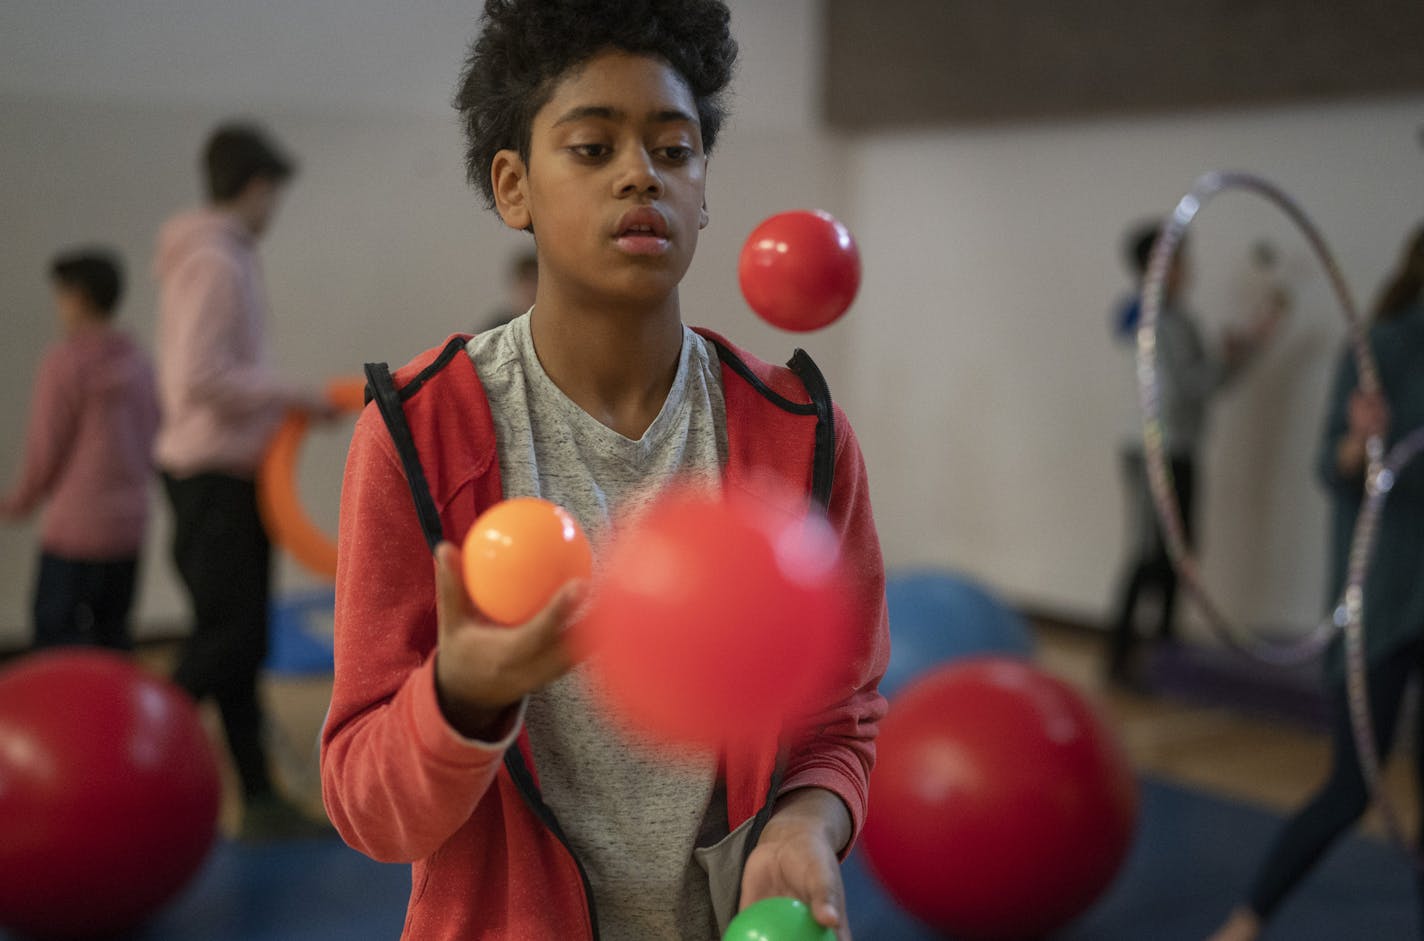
point(1215, 782)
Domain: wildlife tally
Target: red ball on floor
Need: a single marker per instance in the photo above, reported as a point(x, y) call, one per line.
point(109, 794)
point(1001, 804)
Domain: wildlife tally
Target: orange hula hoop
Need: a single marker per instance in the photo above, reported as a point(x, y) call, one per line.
point(283, 515)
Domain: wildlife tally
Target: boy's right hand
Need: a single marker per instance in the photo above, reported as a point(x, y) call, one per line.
point(483, 668)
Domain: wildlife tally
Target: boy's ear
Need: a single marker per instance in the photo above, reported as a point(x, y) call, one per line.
point(702, 217)
point(508, 173)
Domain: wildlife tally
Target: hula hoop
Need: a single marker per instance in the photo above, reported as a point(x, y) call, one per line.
point(283, 515)
point(1159, 474)
point(1362, 547)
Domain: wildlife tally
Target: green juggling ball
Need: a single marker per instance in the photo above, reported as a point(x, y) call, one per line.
point(777, 919)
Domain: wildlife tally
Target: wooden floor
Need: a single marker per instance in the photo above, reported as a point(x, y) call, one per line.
point(1270, 762)
point(1221, 752)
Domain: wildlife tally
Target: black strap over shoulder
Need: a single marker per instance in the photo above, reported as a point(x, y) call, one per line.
point(381, 389)
point(823, 467)
point(823, 462)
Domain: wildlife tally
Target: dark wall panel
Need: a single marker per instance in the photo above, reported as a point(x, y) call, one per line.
point(924, 62)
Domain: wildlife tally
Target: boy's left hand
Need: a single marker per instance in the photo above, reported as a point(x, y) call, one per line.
point(797, 857)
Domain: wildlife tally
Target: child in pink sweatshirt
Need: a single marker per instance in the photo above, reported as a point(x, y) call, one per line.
point(93, 417)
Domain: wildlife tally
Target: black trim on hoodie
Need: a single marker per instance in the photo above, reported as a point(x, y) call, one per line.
point(524, 782)
point(382, 388)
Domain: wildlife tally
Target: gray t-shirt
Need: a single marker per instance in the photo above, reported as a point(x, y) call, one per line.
point(1191, 374)
point(632, 815)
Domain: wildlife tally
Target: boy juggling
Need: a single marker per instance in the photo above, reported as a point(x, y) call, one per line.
point(479, 753)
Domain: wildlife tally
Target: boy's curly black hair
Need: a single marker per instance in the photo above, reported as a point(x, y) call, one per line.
point(526, 46)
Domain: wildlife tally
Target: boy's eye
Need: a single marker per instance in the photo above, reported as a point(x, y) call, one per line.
point(677, 153)
point(590, 151)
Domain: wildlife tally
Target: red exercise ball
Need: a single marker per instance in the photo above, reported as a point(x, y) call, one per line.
point(1001, 805)
point(714, 619)
point(109, 794)
point(799, 270)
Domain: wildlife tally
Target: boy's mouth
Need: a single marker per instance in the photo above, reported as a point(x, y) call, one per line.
point(642, 231)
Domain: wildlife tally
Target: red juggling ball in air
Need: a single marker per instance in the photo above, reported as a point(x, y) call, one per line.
point(716, 619)
point(799, 270)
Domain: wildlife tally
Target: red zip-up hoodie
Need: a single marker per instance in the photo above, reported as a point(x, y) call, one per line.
point(488, 860)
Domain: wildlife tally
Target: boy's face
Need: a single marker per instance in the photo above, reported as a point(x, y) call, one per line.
point(71, 307)
point(258, 204)
point(615, 182)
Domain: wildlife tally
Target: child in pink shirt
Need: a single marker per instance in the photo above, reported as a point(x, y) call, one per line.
point(93, 417)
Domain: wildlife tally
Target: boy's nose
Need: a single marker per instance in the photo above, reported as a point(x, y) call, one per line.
point(637, 174)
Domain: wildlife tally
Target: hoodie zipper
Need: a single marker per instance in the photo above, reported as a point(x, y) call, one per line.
point(524, 782)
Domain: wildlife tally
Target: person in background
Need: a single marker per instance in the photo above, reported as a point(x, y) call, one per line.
point(221, 403)
point(93, 415)
point(1191, 374)
point(1394, 589)
point(523, 282)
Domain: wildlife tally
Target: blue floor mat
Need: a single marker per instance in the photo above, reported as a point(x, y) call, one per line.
point(1193, 857)
point(1192, 860)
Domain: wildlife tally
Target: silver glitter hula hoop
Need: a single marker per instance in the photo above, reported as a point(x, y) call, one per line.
point(1159, 474)
point(1351, 614)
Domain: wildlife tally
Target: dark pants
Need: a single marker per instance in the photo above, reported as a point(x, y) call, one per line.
point(1343, 799)
point(84, 602)
point(223, 556)
point(1152, 570)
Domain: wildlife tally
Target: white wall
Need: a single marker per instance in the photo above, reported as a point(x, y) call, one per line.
point(379, 251)
point(347, 55)
point(976, 364)
point(989, 394)
point(362, 56)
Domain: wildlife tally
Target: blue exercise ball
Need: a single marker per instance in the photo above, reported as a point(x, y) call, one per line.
point(938, 616)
